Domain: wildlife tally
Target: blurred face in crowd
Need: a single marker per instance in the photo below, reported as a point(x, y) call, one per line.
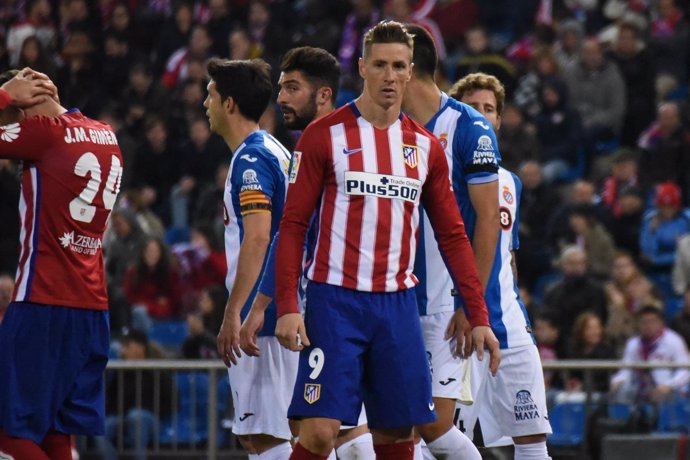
point(511, 117)
point(199, 133)
point(157, 136)
point(570, 41)
point(184, 17)
point(623, 269)
point(650, 325)
point(629, 204)
point(476, 40)
point(593, 332)
point(627, 42)
point(152, 253)
point(199, 42)
point(120, 18)
point(639, 288)
point(484, 101)
point(133, 350)
point(574, 264)
point(545, 332)
point(666, 8)
point(240, 45)
point(624, 171)
point(579, 224)
point(297, 99)
point(669, 117)
point(530, 175)
point(582, 193)
point(592, 55)
point(121, 225)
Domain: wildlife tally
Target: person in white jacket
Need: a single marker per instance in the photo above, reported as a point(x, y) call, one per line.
point(655, 343)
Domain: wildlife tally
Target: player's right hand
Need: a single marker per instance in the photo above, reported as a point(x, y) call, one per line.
point(461, 329)
point(27, 92)
point(483, 336)
point(229, 339)
point(291, 332)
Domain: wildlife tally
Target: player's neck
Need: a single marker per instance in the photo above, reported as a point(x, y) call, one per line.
point(324, 110)
point(379, 116)
point(423, 100)
point(49, 108)
point(240, 128)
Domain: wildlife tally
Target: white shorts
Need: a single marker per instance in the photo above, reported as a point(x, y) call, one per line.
point(511, 404)
point(446, 368)
point(262, 390)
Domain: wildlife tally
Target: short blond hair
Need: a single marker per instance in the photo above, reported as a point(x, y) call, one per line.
point(478, 81)
point(387, 32)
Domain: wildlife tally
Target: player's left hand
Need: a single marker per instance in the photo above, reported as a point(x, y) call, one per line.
point(461, 329)
point(26, 92)
point(250, 330)
point(229, 339)
point(291, 332)
point(483, 336)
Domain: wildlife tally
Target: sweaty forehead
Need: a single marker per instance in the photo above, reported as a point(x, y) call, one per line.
point(390, 52)
point(480, 96)
point(292, 76)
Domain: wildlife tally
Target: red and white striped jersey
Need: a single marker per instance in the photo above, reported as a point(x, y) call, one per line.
point(367, 184)
point(71, 175)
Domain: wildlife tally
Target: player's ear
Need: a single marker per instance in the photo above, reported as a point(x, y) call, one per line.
point(498, 123)
point(360, 65)
point(324, 95)
point(229, 104)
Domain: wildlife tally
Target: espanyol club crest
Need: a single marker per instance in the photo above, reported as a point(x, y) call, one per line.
point(507, 195)
point(410, 155)
point(312, 392)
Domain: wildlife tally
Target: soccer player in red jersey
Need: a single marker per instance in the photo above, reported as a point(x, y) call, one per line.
point(365, 168)
point(54, 337)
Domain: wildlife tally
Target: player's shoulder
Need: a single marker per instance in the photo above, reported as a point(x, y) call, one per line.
point(410, 124)
point(470, 118)
point(340, 115)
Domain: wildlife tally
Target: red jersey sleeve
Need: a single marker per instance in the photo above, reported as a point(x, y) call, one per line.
point(30, 138)
point(309, 166)
point(449, 229)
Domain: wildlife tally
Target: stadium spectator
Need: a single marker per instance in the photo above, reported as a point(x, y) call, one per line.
point(220, 24)
point(211, 306)
point(480, 58)
point(548, 336)
point(623, 174)
point(61, 289)
point(668, 40)
point(559, 129)
point(316, 27)
point(6, 289)
point(152, 285)
point(117, 59)
point(589, 341)
point(38, 23)
point(655, 343)
point(637, 69)
point(567, 48)
point(200, 343)
point(625, 228)
point(598, 94)
point(33, 54)
point(590, 235)
point(665, 149)
point(662, 227)
point(173, 34)
point(620, 325)
point(680, 273)
point(517, 139)
point(142, 96)
point(576, 293)
point(177, 65)
point(365, 14)
point(144, 397)
point(528, 92)
point(79, 78)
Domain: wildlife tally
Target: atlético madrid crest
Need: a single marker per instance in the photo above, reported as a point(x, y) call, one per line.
point(312, 392)
point(410, 155)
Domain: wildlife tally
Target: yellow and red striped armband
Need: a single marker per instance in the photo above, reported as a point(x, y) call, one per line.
point(253, 201)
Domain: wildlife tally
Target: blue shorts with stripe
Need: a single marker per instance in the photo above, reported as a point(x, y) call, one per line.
point(52, 360)
point(365, 347)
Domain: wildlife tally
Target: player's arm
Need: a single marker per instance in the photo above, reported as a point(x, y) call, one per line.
point(307, 181)
point(30, 138)
point(449, 230)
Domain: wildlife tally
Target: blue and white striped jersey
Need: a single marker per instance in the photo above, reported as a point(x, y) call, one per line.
point(257, 181)
point(473, 157)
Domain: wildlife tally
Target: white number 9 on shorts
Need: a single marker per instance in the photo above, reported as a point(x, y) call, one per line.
point(316, 360)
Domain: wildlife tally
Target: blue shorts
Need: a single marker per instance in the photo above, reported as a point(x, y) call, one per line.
point(365, 347)
point(52, 361)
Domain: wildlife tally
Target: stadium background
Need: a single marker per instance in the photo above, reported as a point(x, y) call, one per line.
point(597, 116)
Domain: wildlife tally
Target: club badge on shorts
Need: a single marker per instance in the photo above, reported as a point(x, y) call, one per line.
point(410, 155)
point(312, 392)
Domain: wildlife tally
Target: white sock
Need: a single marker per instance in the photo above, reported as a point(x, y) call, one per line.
point(418, 454)
point(360, 448)
point(454, 446)
point(426, 453)
point(280, 452)
point(534, 451)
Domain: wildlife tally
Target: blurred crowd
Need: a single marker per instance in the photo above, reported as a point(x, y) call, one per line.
point(596, 123)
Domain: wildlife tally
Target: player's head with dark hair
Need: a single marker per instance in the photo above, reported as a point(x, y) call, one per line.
point(244, 86)
point(424, 55)
point(478, 82)
point(8, 75)
point(9, 114)
point(308, 85)
point(386, 32)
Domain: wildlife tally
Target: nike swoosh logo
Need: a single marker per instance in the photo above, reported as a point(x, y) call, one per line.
point(244, 417)
point(351, 151)
point(450, 379)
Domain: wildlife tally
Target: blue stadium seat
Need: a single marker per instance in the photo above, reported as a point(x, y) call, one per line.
point(568, 424)
point(577, 171)
point(619, 411)
point(189, 424)
point(169, 334)
point(674, 416)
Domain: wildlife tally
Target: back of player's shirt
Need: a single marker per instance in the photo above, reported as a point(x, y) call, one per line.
point(70, 180)
point(257, 180)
